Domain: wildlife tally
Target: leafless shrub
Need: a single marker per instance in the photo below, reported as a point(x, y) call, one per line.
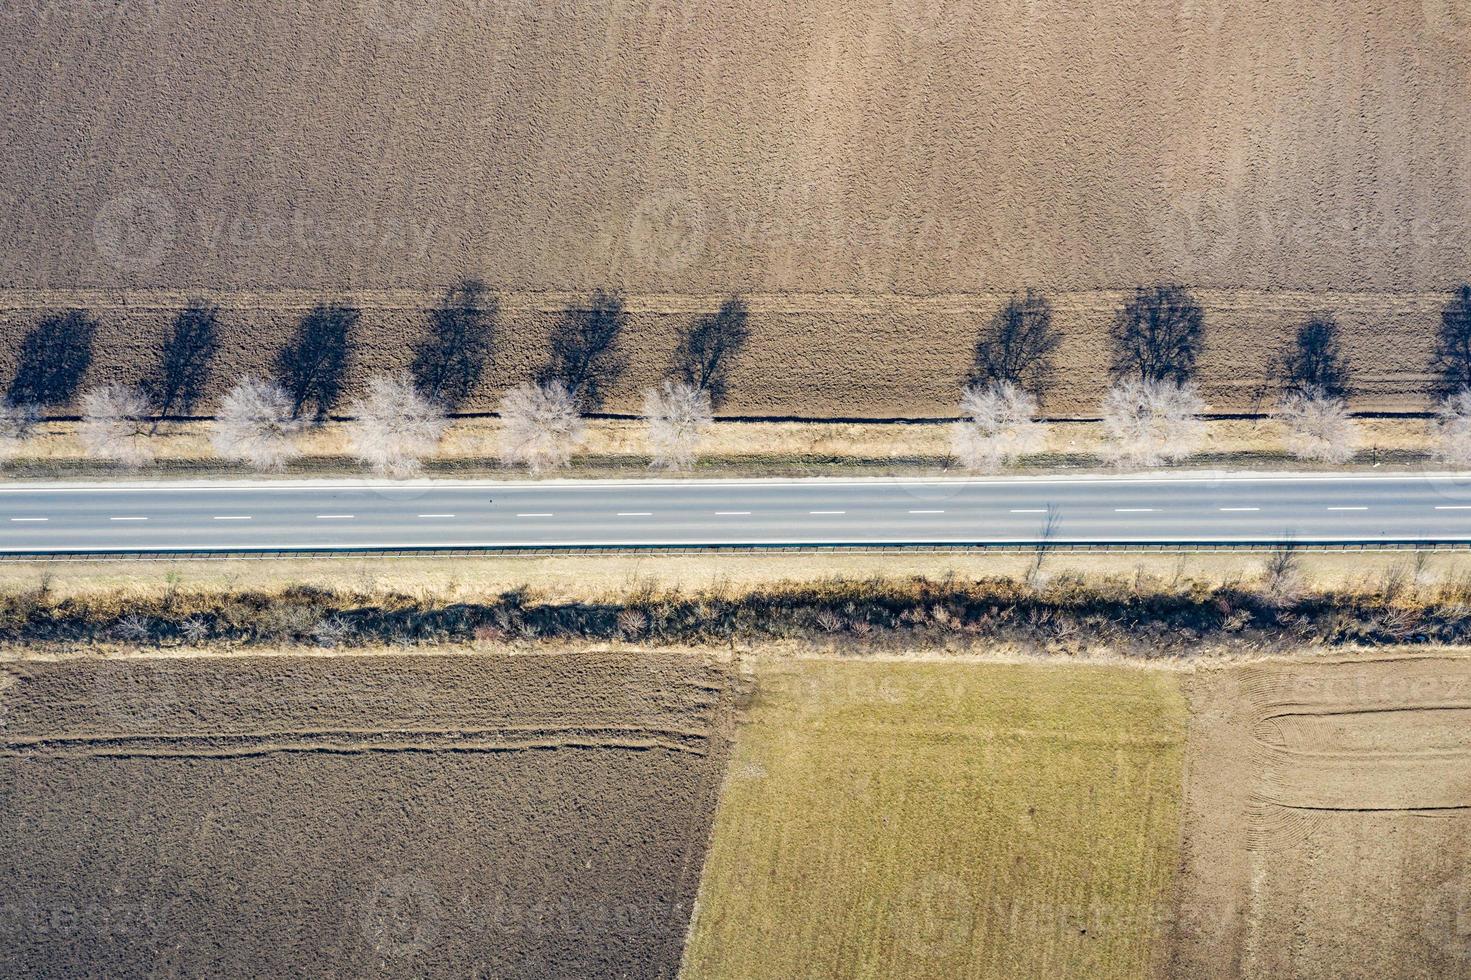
point(1282, 576)
point(332, 632)
point(1318, 427)
point(116, 422)
point(1451, 428)
point(17, 424)
point(393, 427)
point(999, 427)
point(632, 623)
point(1150, 422)
point(829, 621)
point(257, 424)
point(677, 415)
point(541, 426)
point(133, 628)
point(194, 630)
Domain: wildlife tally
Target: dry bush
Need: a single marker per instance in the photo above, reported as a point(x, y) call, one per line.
point(1150, 422)
point(257, 424)
point(677, 415)
point(1451, 429)
point(393, 427)
point(17, 424)
point(541, 426)
point(116, 422)
point(999, 427)
point(1318, 427)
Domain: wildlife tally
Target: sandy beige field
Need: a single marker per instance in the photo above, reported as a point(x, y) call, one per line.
point(873, 176)
point(1328, 820)
point(354, 816)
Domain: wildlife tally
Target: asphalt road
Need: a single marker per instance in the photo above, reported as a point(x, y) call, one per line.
point(240, 517)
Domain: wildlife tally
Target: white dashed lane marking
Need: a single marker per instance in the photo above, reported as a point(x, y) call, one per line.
point(1133, 510)
point(336, 517)
point(432, 516)
point(536, 515)
point(926, 512)
point(1229, 510)
point(1348, 508)
point(232, 518)
point(29, 520)
point(636, 513)
point(829, 512)
point(1453, 507)
point(127, 518)
point(732, 513)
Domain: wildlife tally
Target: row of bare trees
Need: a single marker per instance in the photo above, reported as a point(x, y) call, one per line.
point(1154, 413)
point(400, 419)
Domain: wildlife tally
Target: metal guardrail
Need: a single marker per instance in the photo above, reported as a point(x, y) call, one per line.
point(586, 551)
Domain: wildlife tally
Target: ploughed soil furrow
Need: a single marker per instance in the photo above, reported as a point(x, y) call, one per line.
point(225, 746)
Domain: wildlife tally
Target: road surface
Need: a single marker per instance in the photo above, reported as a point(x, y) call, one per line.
point(320, 516)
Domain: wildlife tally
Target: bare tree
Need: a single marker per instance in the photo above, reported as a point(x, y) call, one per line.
point(1017, 345)
point(393, 426)
point(585, 358)
point(1318, 427)
point(450, 361)
point(541, 426)
point(1451, 361)
point(17, 424)
point(677, 415)
point(1151, 422)
point(116, 422)
point(256, 424)
point(704, 352)
point(999, 427)
point(1314, 363)
point(1158, 335)
point(1451, 429)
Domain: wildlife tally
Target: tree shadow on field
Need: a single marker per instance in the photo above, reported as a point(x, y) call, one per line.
point(1017, 345)
point(583, 344)
point(184, 361)
point(54, 357)
point(313, 365)
point(450, 361)
point(702, 357)
point(1158, 335)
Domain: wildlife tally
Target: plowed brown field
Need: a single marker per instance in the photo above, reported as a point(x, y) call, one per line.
point(872, 175)
point(354, 816)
